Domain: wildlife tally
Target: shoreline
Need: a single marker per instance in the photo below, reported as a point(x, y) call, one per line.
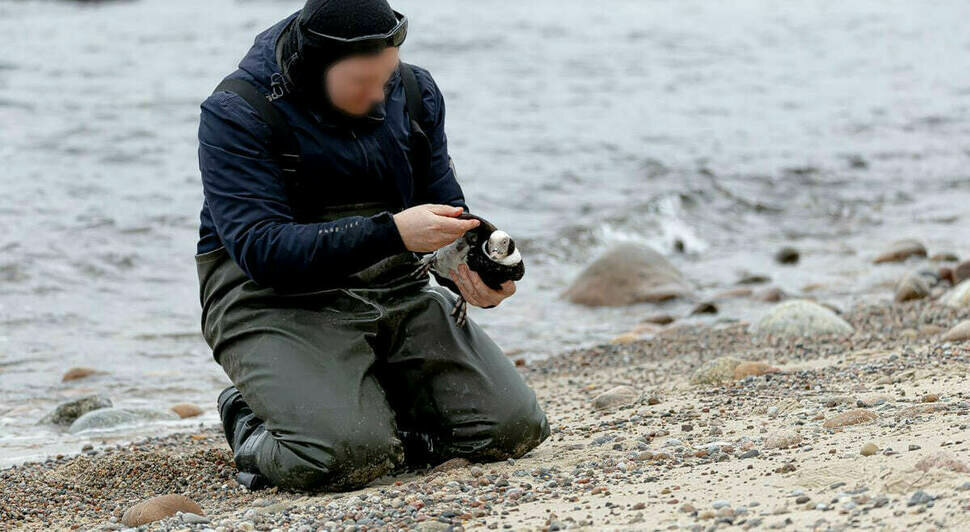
point(635, 446)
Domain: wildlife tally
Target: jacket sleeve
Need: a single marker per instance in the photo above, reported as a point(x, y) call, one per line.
point(244, 190)
point(443, 186)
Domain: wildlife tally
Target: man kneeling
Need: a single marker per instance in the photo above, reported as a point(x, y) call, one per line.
point(318, 202)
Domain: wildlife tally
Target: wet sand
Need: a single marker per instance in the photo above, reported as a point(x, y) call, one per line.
point(769, 450)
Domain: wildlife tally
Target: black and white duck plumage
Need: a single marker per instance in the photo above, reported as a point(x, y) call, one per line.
point(487, 250)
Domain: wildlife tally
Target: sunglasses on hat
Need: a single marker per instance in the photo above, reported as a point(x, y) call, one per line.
point(395, 37)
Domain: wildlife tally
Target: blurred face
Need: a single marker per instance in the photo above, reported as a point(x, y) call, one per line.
point(356, 83)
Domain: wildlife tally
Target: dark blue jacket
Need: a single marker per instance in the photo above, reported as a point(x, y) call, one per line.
point(246, 207)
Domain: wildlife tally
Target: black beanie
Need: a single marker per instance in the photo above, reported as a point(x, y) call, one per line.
point(304, 59)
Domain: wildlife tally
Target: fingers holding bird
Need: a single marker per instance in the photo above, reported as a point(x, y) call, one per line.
point(476, 292)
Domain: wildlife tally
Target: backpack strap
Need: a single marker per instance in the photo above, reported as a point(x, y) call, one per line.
point(420, 144)
point(285, 147)
point(287, 150)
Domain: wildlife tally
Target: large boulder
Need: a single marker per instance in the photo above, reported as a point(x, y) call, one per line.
point(627, 274)
point(959, 297)
point(107, 418)
point(801, 317)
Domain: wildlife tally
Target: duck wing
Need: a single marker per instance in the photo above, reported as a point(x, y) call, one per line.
point(484, 224)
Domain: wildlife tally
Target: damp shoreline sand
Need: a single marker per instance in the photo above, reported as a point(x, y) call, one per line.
point(749, 453)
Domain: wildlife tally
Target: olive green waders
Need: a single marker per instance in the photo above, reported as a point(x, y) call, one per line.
point(366, 377)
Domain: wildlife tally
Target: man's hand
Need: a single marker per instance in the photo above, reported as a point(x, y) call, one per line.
point(476, 292)
point(431, 226)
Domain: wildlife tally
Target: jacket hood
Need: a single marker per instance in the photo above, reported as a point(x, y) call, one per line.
point(275, 59)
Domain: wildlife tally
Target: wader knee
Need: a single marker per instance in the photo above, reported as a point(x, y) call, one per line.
point(347, 464)
point(517, 433)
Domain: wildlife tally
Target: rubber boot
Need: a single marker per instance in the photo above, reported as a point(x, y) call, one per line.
point(244, 432)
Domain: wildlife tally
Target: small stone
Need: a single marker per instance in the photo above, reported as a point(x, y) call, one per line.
point(901, 250)
point(704, 308)
point(753, 369)
point(78, 373)
point(850, 417)
point(659, 319)
point(716, 371)
point(945, 256)
point(801, 317)
point(185, 410)
point(783, 439)
point(625, 338)
point(919, 410)
point(802, 499)
point(106, 418)
point(942, 460)
point(911, 287)
point(869, 449)
point(770, 295)
point(869, 401)
point(919, 497)
point(961, 272)
point(959, 333)
point(959, 296)
point(930, 398)
point(687, 508)
point(450, 465)
point(615, 397)
point(158, 508)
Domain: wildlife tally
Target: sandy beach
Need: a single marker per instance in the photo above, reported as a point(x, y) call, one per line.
point(648, 434)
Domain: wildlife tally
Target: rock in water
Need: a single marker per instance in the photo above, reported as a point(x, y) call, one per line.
point(801, 317)
point(158, 508)
point(787, 255)
point(900, 251)
point(78, 373)
point(913, 286)
point(106, 418)
point(185, 410)
point(716, 371)
point(627, 274)
point(619, 396)
point(959, 297)
point(66, 413)
point(960, 333)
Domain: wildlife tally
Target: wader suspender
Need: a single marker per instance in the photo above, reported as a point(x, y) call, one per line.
point(287, 149)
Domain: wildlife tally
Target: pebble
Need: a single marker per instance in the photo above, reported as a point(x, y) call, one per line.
point(783, 439)
point(753, 369)
point(158, 508)
point(615, 397)
point(800, 317)
point(77, 373)
point(185, 410)
point(959, 297)
point(901, 250)
point(869, 449)
point(716, 371)
point(959, 333)
point(851, 417)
